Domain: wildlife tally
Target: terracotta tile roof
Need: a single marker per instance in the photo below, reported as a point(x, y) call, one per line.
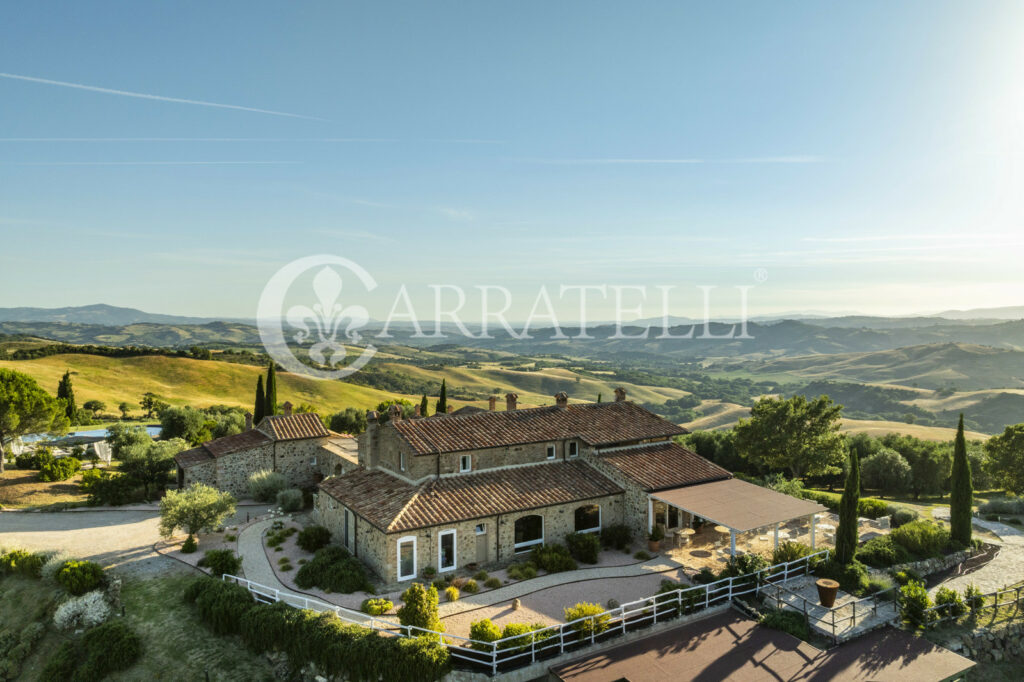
point(667, 465)
point(240, 441)
point(393, 505)
point(294, 426)
point(188, 458)
point(593, 423)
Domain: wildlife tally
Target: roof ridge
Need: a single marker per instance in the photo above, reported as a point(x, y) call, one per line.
point(405, 507)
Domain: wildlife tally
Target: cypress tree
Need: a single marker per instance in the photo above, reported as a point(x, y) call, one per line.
point(260, 408)
point(423, 406)
point(846, 534)
point(442, 401)
point(961, 497)
point(270, 404)
point(67, 394)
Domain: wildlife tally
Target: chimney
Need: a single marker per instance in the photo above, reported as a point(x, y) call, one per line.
point(620, 395)
point(492, 403)
point(417, 415)
point(287, 407)
point(394, 413)
point(368, 441)
point(562, 399)
point(510, 401)
point(248, 421)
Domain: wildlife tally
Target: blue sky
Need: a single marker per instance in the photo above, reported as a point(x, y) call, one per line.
point(864, 156)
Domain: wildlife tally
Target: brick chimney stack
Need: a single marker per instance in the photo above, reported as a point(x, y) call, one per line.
point(417, 415)
point(394, 413)
point(451, 408)
point(287, 408)
point(562, 399)
point(510, 401)
point(492, 403)
point(248, 421)
point(620, 395)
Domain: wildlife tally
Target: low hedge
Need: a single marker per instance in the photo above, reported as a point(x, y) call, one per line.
point(793, 622)
point(335, 647)
point(102, 650)
point(312, 538)
point(883, 551)
point(852, 578)
point(923, 539)
point(79, 577)
point(553, 558)
point(22, 562)
point(868, 507)
point(617, 535)
point(221, 561)
point(583, 547)
point(334, 570)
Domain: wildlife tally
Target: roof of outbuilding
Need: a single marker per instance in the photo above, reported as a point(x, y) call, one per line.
point(393, 505)
point(593, 423)
point(663, 465)
point(293, 426)
point(188, 458)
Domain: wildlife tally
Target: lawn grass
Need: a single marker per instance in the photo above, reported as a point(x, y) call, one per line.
point(20, 488)
point(176, 644)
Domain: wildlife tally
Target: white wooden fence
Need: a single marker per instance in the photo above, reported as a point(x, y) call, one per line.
point(519, 650)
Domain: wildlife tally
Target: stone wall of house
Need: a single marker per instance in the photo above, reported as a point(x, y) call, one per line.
point(205, 473)
point(364, 540)
point(634, 502)
point(233, 470)
point(300, 461)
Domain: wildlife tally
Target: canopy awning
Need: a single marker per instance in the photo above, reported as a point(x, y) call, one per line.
point(739, 505)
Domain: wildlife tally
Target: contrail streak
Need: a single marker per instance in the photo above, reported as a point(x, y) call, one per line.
point(159, 98)
point(152, 163)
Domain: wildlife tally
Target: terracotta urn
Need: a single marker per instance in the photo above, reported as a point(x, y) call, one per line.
point(827, 590)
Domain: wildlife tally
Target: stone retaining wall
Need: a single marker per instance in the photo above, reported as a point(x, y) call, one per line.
point(987, 646)
point(929, 566)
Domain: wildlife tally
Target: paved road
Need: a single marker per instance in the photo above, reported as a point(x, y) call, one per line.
point(1005, 569)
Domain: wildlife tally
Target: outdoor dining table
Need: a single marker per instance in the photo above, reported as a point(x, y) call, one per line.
point(722, 530)
point(684, 535)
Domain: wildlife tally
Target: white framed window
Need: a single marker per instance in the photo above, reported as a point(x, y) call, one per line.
point(313, 461)
point(481, 529)
point(574, 448)
point(529, 531)
point(401, 460)
point(587, 519)
point(407, 557)
point(447, 550)
point(465, 463)
point(551, 450)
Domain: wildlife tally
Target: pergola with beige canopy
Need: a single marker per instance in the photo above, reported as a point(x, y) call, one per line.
point(737, 505)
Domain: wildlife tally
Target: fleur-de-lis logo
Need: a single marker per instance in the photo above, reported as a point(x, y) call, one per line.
point(327, 314)
point(328, 324)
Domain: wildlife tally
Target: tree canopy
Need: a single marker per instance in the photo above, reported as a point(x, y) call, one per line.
point(798, 435)
point(66, 395)
point(961, 499)
point(26, 408)
point(1006, 458)
point(151, 463)
point(195, 509)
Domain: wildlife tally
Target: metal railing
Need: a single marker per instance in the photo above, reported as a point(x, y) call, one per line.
point(523, 649)
point(940, 613)
point(868, 606)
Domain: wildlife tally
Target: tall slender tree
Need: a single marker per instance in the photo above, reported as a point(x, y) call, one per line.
point(846, 534)
point(66, 393)
point(260, 408)
point(423, 406)
point(270, 408)
point(442, 400)
point(961, 497)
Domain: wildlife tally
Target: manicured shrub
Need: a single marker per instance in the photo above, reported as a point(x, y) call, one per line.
point(852, 577)
point(21, 562)
point(480, 576)
point(991, 517)
point(523, 635)
point(108, 489)
point(419, 608)
point(882, 552)
point(902, 516)
point(743, 564)
point(290, 500)
point(871, 508)
point(583, 547)
point(790, 551)
point(973, 598)
point(1009, 505)
point(429, 572)
point(101, 651)
point(482, 631)
point(451, 593)
point(914, 604)
point(52, 565)
point(190, 545)
point(59, 469)
point(523, 571)
point(265, 485)
point(267, 627)
point(79, 577)
point(86, 611)
point(922, 538)
point(221, 605)
point(617, 535)
point(440, 584)
point(376, 606)
point(793, 622)
point(221, 561)
point(553, 558)
point(471, 587)
point(596, 619)
point(334, 570)
point(705, 576)
point(641, 555)
point(905, 576)
point(878, 584)
point(492, 583)
point(312, 538)
point(949, 602)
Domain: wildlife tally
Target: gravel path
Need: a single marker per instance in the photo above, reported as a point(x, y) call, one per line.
point(1006, 568)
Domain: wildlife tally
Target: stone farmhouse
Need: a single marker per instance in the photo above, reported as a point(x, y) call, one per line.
point(478, 487)
point(295, 445)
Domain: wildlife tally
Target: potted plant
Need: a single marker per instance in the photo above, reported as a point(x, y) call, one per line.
point(655, 538)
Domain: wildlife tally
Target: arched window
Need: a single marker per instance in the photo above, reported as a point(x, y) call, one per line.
point(529, 531)
point(588, 518)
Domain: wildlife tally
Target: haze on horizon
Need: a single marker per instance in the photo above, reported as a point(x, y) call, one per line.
point(856, 158)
